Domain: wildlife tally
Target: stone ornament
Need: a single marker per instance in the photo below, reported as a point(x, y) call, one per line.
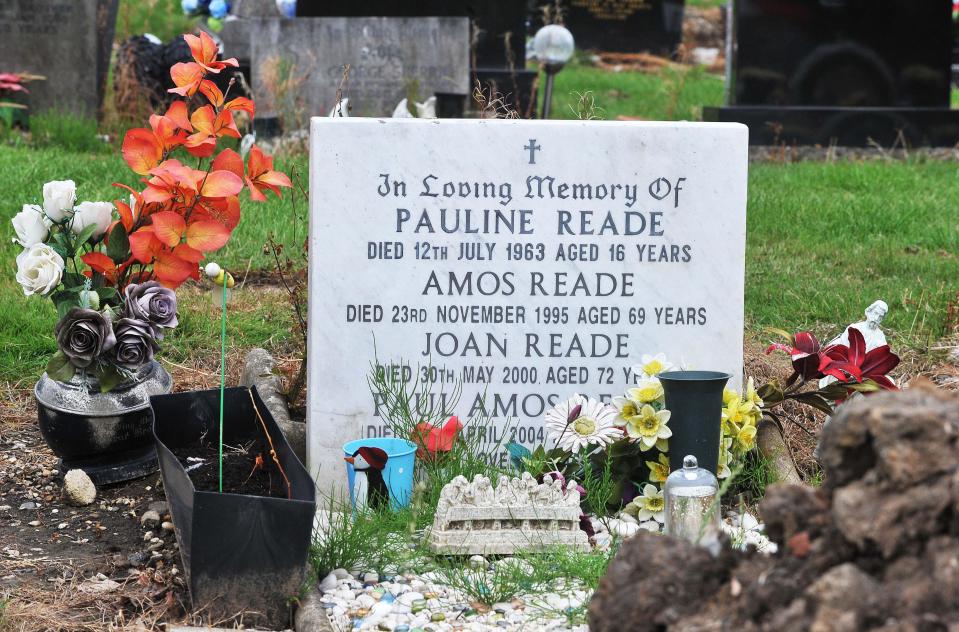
point(869, 329)
point(518, 514)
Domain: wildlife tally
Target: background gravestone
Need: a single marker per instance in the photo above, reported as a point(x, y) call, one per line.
point(493, 20)
point(498, 27)
point(651, 259)
point(852, 72)
point(626, 26)
point(67, 41)
point(389, 58)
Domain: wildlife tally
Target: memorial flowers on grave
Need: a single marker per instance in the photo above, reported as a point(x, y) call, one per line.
point(213, 10)
point(111, 268)
point(12, 85)
point(621, 449)
point(826, 375)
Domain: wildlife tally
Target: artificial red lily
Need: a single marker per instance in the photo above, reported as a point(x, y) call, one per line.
point(11, 82)
point(806, 353)
point(205, 51)
point(852, 364)
point(431, 440)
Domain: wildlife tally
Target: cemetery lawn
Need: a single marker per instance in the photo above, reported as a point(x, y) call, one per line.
point(671, 94)
point(824, 241)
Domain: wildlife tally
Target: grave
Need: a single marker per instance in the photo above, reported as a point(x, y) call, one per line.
point(626, 26)
point(499, 29)
point(494, 22)
point(68, 42)
point(848, 73)
point(528, 260)
point(389, 58)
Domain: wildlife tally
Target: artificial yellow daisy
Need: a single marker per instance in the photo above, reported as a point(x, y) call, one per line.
point(649, 426)
point(658, 470)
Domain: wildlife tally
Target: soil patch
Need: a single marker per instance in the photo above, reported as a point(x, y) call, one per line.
point(875, 548)
point(247, 469)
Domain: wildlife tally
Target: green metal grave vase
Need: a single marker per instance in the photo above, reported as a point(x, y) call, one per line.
point(695, 401)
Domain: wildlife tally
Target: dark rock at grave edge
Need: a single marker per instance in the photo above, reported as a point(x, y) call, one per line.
point(875, 548)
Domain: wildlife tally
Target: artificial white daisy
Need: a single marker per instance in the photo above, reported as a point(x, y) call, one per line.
point(652, 504)
point(626, 408)
point(579, 422)
point(649, 426)
point(652, 365)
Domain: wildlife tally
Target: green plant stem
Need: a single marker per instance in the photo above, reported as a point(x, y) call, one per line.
point(222, 371)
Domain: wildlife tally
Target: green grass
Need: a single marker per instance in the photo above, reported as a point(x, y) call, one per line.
point(666, 95)
point(163, 18)
point(753, 477)
point(825, 240)
point(26, 323)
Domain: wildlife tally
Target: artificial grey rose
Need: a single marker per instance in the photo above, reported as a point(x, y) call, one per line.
point(83, 335)
point(136, 343)
point(153, 303)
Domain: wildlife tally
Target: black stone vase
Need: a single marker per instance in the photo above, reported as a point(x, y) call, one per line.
point(695, 401)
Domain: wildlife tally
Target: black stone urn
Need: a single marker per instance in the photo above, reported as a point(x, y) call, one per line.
point(107, 435)
point(695, 401)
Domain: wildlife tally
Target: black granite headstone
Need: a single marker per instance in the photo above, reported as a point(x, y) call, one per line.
point(850, 72)
point(626, 26)
point(843, 52)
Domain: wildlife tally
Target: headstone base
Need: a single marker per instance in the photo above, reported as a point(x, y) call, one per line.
point(847, 127)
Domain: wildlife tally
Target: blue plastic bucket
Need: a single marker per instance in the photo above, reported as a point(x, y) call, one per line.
point(398, 473)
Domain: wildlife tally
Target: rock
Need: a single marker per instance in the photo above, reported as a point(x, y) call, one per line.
point(98, 585)
point(329, 583)
point(34, 523)
point(139, 558)
point(842, 588)
point(167, 526)
point(28, 505)
point(159, 506)
point(478, 562)
point(78, 489)
point(150, 518)
point(342, 573)
point(371, 577)
point(410, 597)
point(623, 528)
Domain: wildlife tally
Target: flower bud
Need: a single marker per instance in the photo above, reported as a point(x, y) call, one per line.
point(212, 269)
point(90, 300)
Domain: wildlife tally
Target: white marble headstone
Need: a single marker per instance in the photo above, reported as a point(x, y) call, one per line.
point(532, 259)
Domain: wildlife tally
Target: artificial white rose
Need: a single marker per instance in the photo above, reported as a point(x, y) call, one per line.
point(87, 213)
point(58, 199)
point(31, 225)
point(39, 269)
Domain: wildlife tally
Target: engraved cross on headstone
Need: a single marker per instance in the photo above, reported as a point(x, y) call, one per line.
point(532, 148)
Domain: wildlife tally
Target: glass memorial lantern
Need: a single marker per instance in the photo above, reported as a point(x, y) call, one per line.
point(692, 507)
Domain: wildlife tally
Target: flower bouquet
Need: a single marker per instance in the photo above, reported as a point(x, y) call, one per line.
point(111, 268)
point(620, 450)
point(12, 84)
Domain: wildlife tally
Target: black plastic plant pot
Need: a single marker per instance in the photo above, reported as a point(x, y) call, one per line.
point(695, 402)
point(240, 553)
